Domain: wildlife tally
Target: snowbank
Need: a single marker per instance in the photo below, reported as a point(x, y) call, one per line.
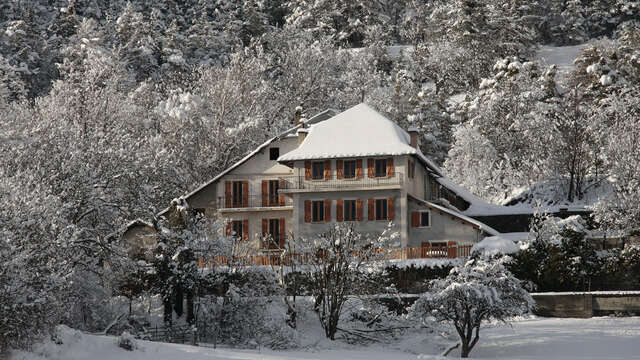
point(494, 245)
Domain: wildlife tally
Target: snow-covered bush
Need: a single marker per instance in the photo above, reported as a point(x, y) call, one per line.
point(559, 256)
point(127, 341)
point(474, 293)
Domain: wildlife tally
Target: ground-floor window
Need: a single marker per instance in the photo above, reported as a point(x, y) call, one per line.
point(381, 209)
point(350, 210)
point(236, 226)
point(317, 213)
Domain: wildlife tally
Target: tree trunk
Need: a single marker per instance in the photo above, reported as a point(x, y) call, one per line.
point(190, 312)
point(465, 350)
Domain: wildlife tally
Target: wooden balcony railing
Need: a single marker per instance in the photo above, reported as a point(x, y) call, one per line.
point(275, 259)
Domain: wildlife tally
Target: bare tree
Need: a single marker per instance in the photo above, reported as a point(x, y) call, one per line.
point(340, 255)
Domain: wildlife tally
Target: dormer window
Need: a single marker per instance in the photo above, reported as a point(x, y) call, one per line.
point(274, 153)
point(317, 172)
point(381, 167)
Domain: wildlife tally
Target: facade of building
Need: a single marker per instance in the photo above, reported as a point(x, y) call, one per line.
point(356, 166)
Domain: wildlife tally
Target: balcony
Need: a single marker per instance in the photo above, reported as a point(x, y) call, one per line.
point(300, 184)
point(254, 203)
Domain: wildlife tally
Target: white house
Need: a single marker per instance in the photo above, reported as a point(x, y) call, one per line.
point(356, 166)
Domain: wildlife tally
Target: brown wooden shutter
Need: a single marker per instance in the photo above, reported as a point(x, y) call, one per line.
point(371, 209)
point(327, 211)
point(265, 192)
point(281, 186)
point(283, 233)
point(245, 229)
point(339, 169)
point(359, 210)
point(265, 227)
point(227, 194)
point(339, 210)
point(415, 219)
point(327, 169)
point(307, 211)
point(307, 170)
point(371, 168)
point(359, 174)
point(390, 167)
point(390, 208)
point(229, 229)
point(245, 193)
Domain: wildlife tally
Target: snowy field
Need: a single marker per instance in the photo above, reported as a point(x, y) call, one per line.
point(534, 338)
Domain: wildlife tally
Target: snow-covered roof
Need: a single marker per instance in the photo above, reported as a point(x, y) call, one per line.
point(469, 197)
point(326, 114)
point(357, 132)
point(487, 229)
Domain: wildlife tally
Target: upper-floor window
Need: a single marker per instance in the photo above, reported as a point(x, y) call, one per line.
point(411, 171)
point(350, 210)
point(421, 219)
point(274, 186)
point(349, 169)
point(274, 153)
point(236, 193)
point(317, 172)
point(425, 219)
point(381, 167)
point(381, 209)
point(317, 211)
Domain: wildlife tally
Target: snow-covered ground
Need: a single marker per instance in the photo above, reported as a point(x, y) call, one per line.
point(563, 339)
point(561, 56)
point(531, 338)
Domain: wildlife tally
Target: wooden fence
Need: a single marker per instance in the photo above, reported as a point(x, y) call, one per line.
point(450, 251)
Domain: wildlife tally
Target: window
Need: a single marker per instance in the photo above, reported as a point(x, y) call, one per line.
point(349, 210)
point(317, 213)
point(274, 229)
point(350, 169)
point(317, 170)
point(237, 194)
point(236, 226)
point(412, 169)
point(381, 209)
point(425, 219)
point(381, 167)
point(274, 153)
point(274, 185)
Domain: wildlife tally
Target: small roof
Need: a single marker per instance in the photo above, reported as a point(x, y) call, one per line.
point(357, 132)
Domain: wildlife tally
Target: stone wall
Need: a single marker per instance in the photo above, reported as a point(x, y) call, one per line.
point(587, 304)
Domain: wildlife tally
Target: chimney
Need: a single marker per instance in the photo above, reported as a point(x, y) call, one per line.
point(413, 133)
point(298, 115)
point(302, 134)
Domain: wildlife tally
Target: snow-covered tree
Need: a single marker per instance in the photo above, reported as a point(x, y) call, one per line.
point(622, 151)
point(472, 294)
point(340, 255)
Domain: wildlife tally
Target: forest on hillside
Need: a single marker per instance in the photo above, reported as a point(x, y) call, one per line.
point(110, 108)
